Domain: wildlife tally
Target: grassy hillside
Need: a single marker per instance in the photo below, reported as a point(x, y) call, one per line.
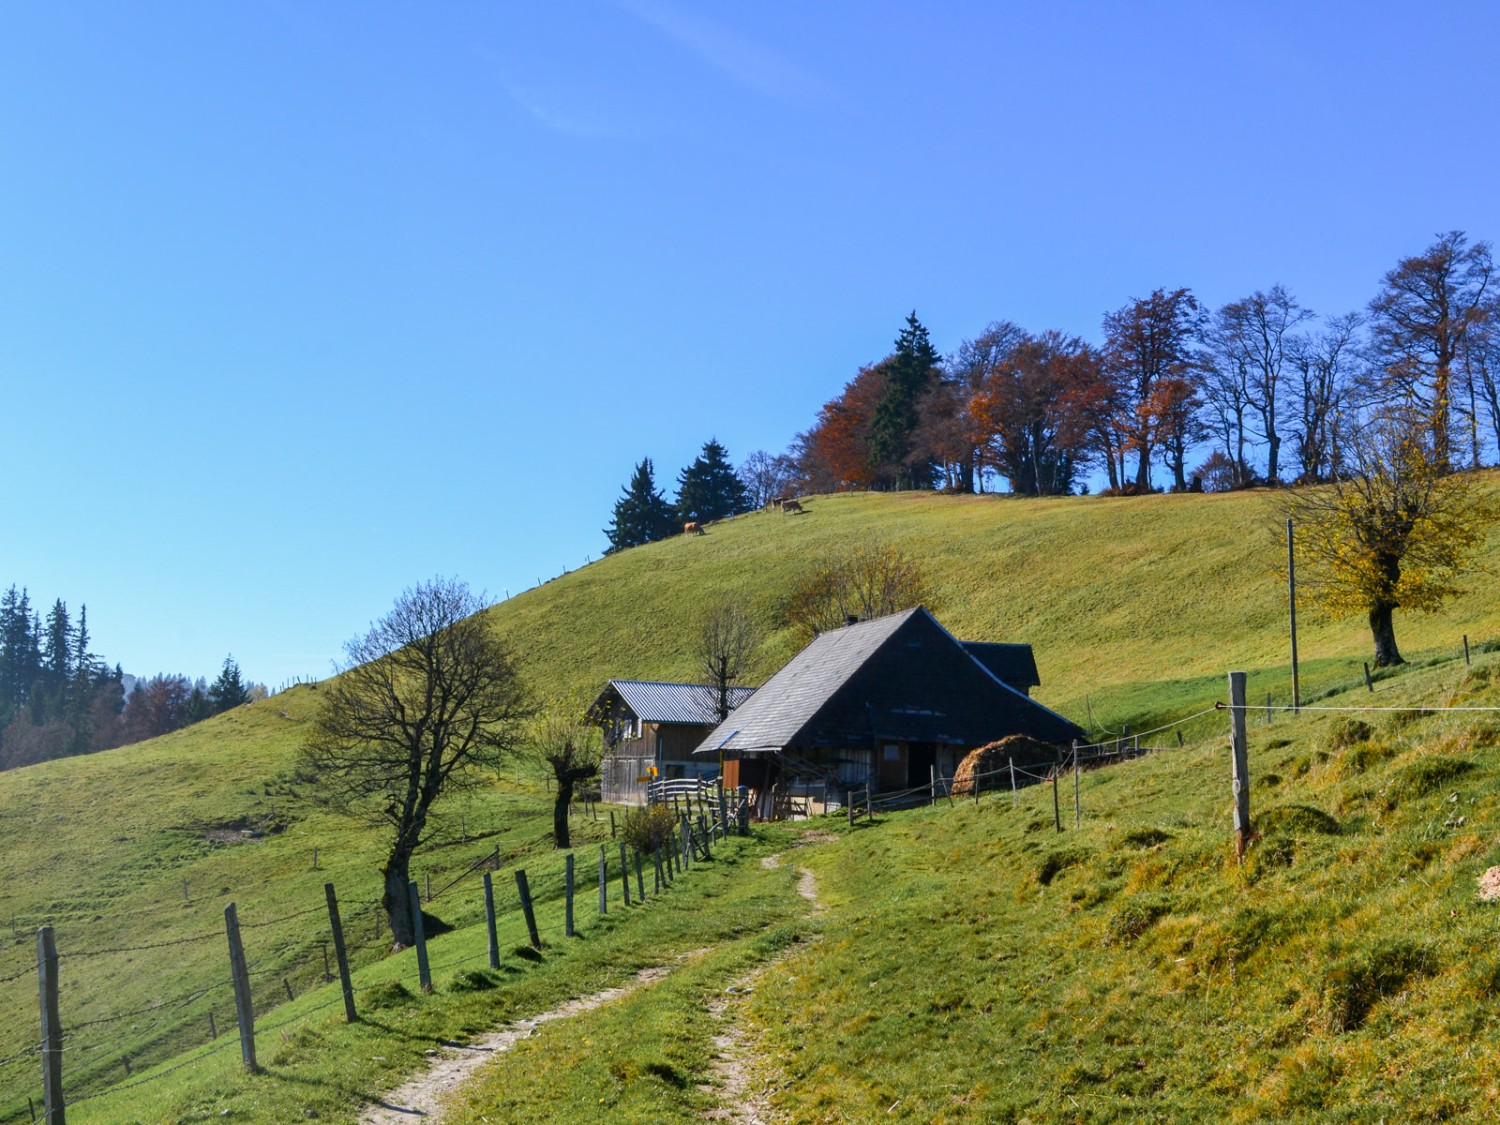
point(1136, 608)
point(1134, 605)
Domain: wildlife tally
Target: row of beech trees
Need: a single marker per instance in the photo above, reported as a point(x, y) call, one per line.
point(1267, 385)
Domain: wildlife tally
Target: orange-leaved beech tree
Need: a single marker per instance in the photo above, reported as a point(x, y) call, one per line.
point(1393, 531)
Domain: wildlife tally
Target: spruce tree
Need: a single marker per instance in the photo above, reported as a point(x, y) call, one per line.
point(229, 689)
point(20, 654)
point(57, 651)
point(642, 514)
point(709, 488)
point(910, 371)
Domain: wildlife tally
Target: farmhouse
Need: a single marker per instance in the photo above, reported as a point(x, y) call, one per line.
point(883, 702)
point(650, 730)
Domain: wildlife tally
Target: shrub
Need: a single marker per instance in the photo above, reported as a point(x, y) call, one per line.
point(648, 829)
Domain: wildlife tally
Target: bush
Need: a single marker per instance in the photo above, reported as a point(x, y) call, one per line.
point(649, 828)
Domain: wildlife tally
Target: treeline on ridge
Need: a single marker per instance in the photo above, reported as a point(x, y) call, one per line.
point(59, 699)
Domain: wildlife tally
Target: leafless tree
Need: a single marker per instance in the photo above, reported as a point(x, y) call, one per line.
point(1481, 377)
point(766, 476)
point(871, 579)
point(1324, 366)
point(427, 695)
point(728, 640)
point(1418, 323)
point(1249, 339)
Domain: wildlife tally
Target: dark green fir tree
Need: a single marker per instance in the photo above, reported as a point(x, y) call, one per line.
point(910, 371)
point(229, 689)
point(642, 514)
point(709, 488)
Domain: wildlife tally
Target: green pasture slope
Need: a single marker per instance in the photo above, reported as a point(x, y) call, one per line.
point(1136, 608)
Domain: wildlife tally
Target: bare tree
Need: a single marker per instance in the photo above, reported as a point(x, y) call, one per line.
point(427, 695)
point(728, 640)
point(1324, 365)
point(872, 579)
point(1250, 337)
point(766, 476)
point(1481, 371)
point(563, 742)
point(1419, 321)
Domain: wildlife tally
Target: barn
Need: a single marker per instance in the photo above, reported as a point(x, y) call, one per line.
point(884, 702)
point(650, 731)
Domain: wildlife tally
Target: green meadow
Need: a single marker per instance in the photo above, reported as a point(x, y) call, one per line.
point(972, 963)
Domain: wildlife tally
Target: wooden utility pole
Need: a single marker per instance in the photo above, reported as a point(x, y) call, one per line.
point(52, 1048)
point(1240, 763)
point(1291, 600)
point(244, 1009)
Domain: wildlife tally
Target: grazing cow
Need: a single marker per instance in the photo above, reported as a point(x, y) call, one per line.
point(776, 502)
point(693, 527)
point(791, 506)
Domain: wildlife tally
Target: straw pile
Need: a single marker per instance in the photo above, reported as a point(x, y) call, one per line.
point(1027, 752)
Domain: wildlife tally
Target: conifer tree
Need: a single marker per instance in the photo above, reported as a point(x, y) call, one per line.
point(910, 372)
point(20, 656)
point(642, 514)
point(709, 488)
point(229, 689)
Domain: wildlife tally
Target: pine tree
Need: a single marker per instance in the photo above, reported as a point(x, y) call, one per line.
point(57, 651)
point(910, 371)
point(709, 488)
point(642, 514)
point(20, 656)
point(229, 689)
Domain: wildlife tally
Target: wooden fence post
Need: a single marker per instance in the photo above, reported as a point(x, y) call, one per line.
point(244, 1010)
point(1466, 648)
point(851, 808)
point(526, 908)
point(603, 889)
point(1077, 807)
point(744, 810)
point(1369, 683)
point(213, 1030)
point(932, 784)
point(661, 879)
point(611, 824)
point(703, 831)
point(52, 1048)
point(640, 876)
point(625, 872)
point(869, 803)
point(568, 896)
point(1015, 799)
point(1056, 808)
point(1268, 708)
point(1239, 763)
point(419, 933)
point(340, 953)
point(492, 939)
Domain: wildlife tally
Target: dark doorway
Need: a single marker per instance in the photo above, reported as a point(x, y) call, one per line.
point(920, 758)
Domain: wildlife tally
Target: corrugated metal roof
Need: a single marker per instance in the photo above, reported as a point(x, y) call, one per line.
point(655, 702)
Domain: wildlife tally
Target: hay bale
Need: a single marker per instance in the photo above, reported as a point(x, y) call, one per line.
point(1027, 752)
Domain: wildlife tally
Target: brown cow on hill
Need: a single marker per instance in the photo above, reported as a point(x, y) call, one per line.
point(791, 506)
point(777, 501)
point(693, 527)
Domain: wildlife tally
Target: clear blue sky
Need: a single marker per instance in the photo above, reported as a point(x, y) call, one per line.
point(303, 303)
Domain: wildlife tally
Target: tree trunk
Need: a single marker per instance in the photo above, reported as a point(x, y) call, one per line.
point(561, 836)
point(1384, 633)
point(397, 900)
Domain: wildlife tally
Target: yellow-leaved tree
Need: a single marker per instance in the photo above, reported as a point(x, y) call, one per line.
point(1394, 530)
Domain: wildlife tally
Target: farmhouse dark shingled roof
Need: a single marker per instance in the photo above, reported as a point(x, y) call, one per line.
point(853, 685)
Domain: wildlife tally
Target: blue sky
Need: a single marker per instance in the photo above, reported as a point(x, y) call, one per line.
point(303, 303)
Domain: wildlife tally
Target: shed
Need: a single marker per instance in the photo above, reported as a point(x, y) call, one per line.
point(650, 725)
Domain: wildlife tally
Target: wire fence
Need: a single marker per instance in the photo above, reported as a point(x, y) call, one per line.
point(104, 1064)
